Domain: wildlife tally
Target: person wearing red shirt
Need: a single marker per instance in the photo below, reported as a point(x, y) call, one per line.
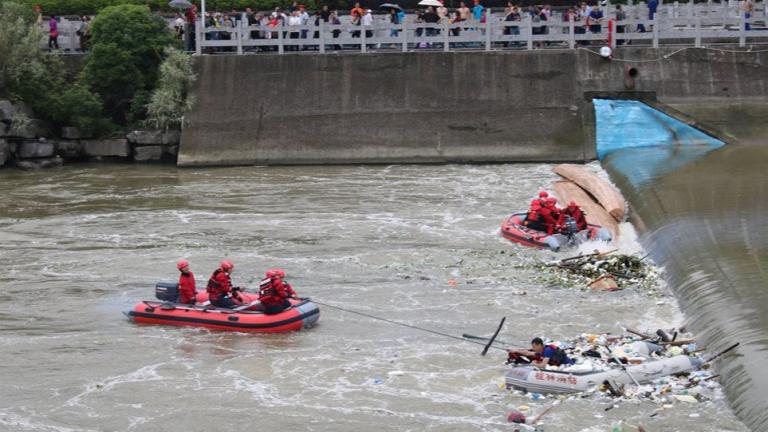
point(187, 291)
point(274, 292)
point(220, 290)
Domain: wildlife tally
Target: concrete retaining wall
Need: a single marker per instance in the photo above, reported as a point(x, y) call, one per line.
point(443, 107)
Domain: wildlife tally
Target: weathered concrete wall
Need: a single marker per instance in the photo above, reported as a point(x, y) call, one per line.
point(441, 107)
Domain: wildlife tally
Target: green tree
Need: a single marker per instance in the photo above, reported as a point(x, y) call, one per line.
point(127, 44)
point(24, 67)
point(170, 101)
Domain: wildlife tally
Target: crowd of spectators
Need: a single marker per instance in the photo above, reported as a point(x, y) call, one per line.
point(586, 18)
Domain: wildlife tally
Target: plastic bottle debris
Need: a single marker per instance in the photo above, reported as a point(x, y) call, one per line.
point(604, 272)
point(599, 352)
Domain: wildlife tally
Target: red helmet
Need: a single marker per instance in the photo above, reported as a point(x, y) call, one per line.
point(552, 200)
point(227, 265)
point(543, 194)
point(572, 204)
point(182, 264)
point(275, 272)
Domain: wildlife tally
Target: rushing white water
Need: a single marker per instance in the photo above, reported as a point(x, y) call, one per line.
point(417, 244)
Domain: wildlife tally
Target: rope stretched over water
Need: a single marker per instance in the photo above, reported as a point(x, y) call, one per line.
point(666, 56)
point(435, 332)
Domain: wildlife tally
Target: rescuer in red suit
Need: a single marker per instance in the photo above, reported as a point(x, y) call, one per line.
point(187, 291)
point(573, 210)
point(220, 290)
point(274, 292)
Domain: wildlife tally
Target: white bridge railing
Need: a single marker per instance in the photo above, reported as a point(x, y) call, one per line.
point(674, 24)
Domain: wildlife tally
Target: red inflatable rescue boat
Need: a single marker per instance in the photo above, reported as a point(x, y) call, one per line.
point(249, 318)
point(512, 229)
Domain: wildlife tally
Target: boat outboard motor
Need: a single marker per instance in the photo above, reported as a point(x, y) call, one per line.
point(167, 291)
point(570, 226)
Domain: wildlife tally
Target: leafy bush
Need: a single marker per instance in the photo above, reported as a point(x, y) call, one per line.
point(169, 101)
point(127, 43)
point(24, 67)
point(79, 106)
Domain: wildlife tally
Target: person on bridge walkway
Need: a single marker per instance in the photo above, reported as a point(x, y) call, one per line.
point(540, 355)
point(221, 293)
point(187, 290)
point(274, 292)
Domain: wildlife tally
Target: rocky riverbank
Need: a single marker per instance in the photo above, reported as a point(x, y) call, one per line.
point(30, 143)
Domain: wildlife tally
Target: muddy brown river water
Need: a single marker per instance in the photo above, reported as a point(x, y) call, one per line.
point(83, 243)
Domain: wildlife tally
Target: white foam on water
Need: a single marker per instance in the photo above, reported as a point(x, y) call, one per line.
point(143, 374)
point(16, 422)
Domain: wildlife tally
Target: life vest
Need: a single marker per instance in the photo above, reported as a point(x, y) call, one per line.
point(558, 356)
point(267, 288)
point(215, 288)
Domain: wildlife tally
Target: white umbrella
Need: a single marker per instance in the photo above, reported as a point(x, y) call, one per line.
point(434, 3)
point(180, 4)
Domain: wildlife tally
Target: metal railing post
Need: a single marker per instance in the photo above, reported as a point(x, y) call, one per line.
point(321, 42)
point(529, 33)
point(199, 36)
point(697, 27)
point(742, 30)
point(445, 35)
point(405, 36)
point(239, 35)
point(656, 31)
point(488, 18)
point(571, 34)
point(280, 47)
point(363, 38)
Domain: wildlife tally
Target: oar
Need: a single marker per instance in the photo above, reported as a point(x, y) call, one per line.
point(624, 368)
point(483, 338)
point(493, 338)
point(730, 348)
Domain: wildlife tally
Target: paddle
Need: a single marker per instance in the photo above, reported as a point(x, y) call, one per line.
point(730, 348)
point(624, 368)
point(493, 338)
point(482, 338)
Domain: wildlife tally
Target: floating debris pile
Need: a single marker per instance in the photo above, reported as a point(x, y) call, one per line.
point(604, 271)
point(597, 353)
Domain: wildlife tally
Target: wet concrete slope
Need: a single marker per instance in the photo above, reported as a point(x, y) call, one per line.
point(442, 107)
point(706, 223)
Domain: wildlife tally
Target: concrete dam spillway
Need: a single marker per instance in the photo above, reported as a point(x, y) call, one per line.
point(700, 207)
point(701, 216)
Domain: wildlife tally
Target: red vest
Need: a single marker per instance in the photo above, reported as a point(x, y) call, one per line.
point(219, 285)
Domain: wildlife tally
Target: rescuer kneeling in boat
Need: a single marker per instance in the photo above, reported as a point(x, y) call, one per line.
point(540, 355)
point(550, 213)
point(220, 290)
point(274, 292)
point(533, 219)
point(574, 211)
point(187, 290)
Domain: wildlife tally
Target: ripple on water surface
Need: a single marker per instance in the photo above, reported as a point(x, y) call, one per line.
point(383, 240)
